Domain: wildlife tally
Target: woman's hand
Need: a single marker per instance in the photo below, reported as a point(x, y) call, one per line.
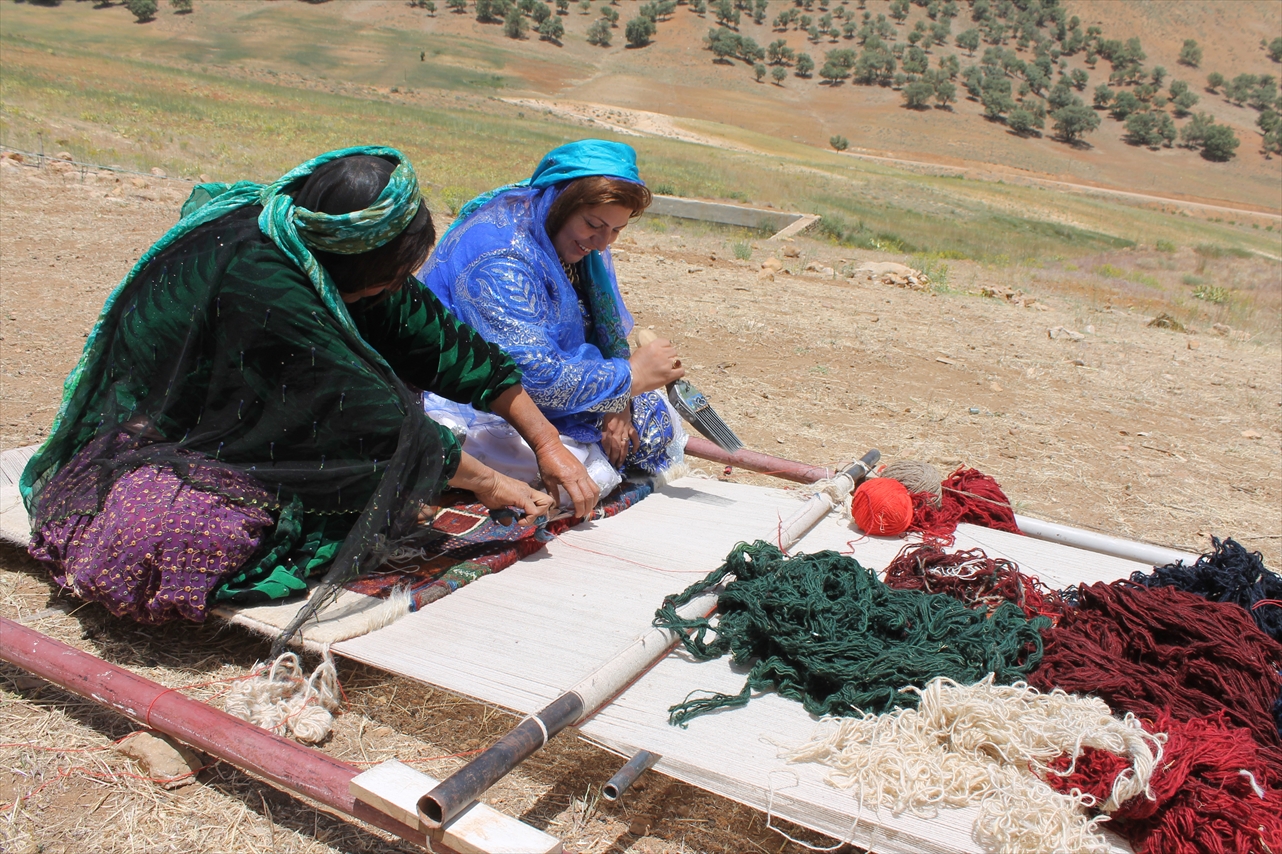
point(560, 469)
point(496, 490)
point(557, 466)
point(619, 436)
point(654, 365)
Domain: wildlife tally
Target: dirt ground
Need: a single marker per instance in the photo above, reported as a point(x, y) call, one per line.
point(1164, 436)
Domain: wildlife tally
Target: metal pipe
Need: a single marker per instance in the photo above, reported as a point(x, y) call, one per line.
point(1102, 543)
point(696, 446)
point(230, 739)
point(463, 786)
point(606, 682)
point(628, 774)
point(1038, 529)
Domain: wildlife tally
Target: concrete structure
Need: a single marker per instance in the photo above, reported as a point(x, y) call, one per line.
point(783, 223)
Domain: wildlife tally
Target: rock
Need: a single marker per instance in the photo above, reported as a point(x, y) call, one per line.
point(814, 267)
point(158, 172)
point(1193, 345)
point(63, 155)
point(138, 182)
point(1165, 321)
point(791, 251)
point(765, 276)
point(772, 263)
point(641, 825)
point(1063, 332)
point(9, 164)
point(1221, 329)
point(1251, 434)
point(167, 762)
point(204, 179)
point(876, 269)
point(619, 254)
point(15, 156)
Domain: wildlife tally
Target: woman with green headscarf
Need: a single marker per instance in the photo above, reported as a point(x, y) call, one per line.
point(246, 410)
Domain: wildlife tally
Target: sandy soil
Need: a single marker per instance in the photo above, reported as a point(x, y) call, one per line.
point(1137, 431)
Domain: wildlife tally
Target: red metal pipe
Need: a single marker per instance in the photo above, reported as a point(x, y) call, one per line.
point(248, 747)
point(696, 446)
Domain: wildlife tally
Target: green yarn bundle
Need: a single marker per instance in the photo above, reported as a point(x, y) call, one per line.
point(824, 630)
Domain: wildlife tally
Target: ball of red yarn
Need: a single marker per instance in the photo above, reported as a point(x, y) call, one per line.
point(882, 507)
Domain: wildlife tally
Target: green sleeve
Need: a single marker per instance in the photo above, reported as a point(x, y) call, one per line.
point(431, 349)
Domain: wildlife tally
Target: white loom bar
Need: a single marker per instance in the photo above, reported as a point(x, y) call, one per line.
point(1102, 543)
point(611, 678)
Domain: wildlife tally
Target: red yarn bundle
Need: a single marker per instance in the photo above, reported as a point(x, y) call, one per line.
point(882, 507)
point(1211, 792)
point(1162, 652)
point(971, 577)
point(968, 496)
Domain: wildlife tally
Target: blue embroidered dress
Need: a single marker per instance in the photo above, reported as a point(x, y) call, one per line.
point(497, 270)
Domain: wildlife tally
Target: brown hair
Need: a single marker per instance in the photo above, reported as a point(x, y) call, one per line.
point(596, 190)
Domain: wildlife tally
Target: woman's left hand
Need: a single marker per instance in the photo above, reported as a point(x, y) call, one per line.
point(619, 436)
point(560, 469)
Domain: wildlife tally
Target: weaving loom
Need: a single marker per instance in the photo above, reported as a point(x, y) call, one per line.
point(545, 621)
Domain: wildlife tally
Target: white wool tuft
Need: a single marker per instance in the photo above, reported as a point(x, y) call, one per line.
point(987, 744)
point(283, 701)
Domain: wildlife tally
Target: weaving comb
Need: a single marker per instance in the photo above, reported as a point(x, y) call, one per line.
point(695, 408)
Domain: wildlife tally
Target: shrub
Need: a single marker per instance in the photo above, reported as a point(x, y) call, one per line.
point(1211, 293)
point(638, 31)
point(514, 26)
point(1219, 143)
point(143, 10)
point(1071, 122)
point(1164, 246)
point(599, 33)
point(552, 30)
point(839, 142)
point(742, 249)
point(1190, 54)
point(917, 95)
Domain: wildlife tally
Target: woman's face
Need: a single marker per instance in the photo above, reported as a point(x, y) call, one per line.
point(590, 228)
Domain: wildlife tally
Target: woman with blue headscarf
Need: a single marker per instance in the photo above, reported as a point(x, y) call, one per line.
point(528, 266)
point(246, 411)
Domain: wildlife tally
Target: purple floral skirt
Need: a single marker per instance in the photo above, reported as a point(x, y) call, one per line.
point(157, 547)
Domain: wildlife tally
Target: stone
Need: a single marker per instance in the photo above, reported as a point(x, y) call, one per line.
point(1193, 345)
point(15, 156)
point(1064, 332)
point(1221, 328)
point(63, 155)
point(168, 763)
point(1251, 434)
point(772, 263)
point(791, 251)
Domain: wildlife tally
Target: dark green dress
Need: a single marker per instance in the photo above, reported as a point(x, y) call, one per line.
point(222, 361)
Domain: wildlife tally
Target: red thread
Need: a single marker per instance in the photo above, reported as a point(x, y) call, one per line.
point(971, 577)
point(968, 496)
point(1210, 793)
point(1162, 651)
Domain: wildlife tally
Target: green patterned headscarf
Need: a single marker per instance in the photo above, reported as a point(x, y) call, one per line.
point(297, 231)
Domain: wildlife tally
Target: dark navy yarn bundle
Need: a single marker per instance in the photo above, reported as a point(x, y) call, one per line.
point(1229, 573)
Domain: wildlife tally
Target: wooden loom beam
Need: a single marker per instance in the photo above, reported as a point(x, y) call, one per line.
point(278, 760)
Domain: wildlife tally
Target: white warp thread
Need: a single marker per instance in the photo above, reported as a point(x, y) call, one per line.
point(282, 700)
point(986, 745)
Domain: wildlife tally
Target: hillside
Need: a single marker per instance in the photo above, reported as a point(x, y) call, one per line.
point(378, 43)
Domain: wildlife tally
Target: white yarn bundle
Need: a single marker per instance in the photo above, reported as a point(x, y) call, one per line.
point(985, 745)
point(282, 700)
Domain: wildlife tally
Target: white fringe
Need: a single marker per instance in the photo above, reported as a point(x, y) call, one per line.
point(283, 701)
point(985, 744)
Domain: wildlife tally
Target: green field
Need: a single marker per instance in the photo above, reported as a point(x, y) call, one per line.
point(274, 85)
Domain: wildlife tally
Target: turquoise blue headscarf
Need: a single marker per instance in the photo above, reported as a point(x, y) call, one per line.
point(297, 231)
point(567, 162)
